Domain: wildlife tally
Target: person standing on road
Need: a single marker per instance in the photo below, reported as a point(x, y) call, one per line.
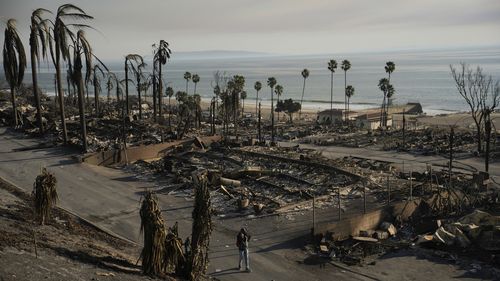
point(242, 240)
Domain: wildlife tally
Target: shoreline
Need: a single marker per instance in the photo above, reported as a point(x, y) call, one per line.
point(315, 106)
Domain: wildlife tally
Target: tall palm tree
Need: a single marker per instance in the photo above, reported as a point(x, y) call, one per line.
point(271, 82)
point(129, 60)
point(389, 68)
point(97, 86)
point(14, 62)
point(346, 65)
point(257, 86)
point(187, 76)
point(169, 91)
point(81, 46)
point(278, 90)
point(305, 74)
point(349, 93)
point(196, 79)
point(162, 55)
point(332, 65)
point(39, 36)
point(61, 36)
point(387, 89)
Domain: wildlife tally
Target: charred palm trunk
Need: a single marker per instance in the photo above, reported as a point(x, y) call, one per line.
point(235, 114)
point(139, 97)
point(258, 126)
point(160, 93)
point(60, 92)
point(154, 97)
point(331, 99)
point(487, 128)
point(345, 94)
point(272, 116)
point(301, 98)
point(96, 96)
point(81, 109)
point(126, 90)
point(169, 114)
point(256, 104)
point(36, 94)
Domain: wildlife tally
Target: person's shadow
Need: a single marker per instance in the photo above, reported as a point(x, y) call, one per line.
point(227, 271)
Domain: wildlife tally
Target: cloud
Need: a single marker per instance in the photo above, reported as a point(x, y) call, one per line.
point(283, 26)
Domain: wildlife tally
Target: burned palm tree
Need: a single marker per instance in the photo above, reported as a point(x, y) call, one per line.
point(39, 36)
point(14, 62)
point(187, 77)
point(153, 228)
point(271, 82)
point(81, 47)
point(349, 92)
point(45, 195)
point(305, 74)
point(202, 228)
point(139, 76)
point(257, 86)
point(129, 60)
point(174, 259)
point(196, 79)
point(62, 35)
point(97, 86)
point(161, 56)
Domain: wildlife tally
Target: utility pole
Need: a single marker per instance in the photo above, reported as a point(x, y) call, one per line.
point(364, 197)
point(452, 135)
point(258, 126)
point(487, 128)
point(340, 210)
point(388, 192)
point(314, 215)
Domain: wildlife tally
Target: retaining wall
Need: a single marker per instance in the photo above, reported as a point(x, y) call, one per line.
point(371, 220)
point(143, 152)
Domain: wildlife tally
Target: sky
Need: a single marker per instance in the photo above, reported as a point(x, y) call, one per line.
point(276, 26)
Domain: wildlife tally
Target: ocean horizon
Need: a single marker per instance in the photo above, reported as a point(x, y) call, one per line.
point(420, 76)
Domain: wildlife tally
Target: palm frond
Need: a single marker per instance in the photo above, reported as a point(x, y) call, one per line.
point(14, 56)
point(63, 9)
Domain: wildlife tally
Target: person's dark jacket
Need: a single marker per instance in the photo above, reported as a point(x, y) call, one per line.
point(242, 240)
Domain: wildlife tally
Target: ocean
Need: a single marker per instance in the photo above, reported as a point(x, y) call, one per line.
point(420, 76)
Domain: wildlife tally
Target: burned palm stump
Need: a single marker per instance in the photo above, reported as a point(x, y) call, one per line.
point(153, 227)
point(45, 195)
point(202, 228)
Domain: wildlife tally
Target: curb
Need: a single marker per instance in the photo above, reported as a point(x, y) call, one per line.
point(84, 220)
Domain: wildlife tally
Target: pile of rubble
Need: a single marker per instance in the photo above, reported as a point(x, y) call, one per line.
point(475, 235)
point(477, 229)
point(429, 141)
point(247, 182)
point(105, 130)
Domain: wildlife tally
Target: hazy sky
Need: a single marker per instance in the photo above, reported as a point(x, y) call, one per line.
point(277, 26)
